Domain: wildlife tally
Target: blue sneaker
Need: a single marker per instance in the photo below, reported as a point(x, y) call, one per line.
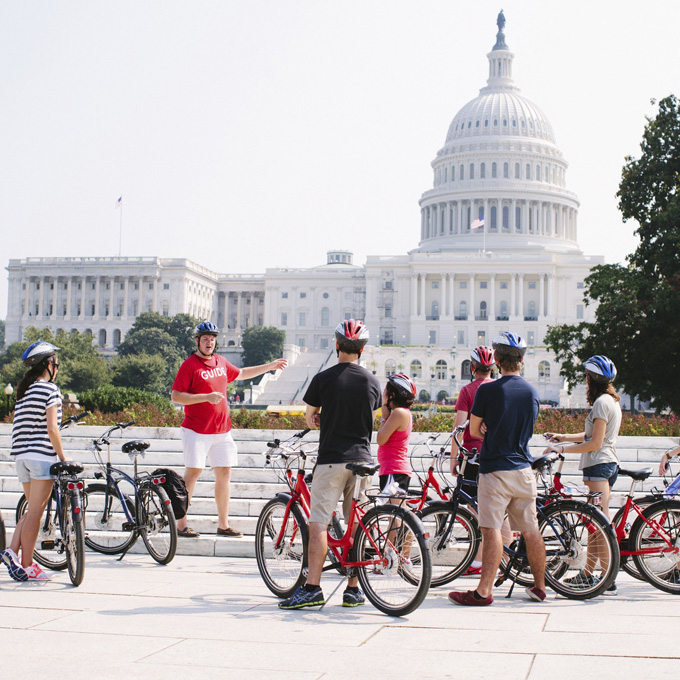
point(350, 599)
point(303, 598)
point(11, 561)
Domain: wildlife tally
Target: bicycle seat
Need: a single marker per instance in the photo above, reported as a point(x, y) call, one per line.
point(66, 468)
point(362, 470)
point(135, 446)
point(542, 461)
point(637, 475)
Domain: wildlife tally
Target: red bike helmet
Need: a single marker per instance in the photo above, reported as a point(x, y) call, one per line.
point(403, 384)
point(351, 336)
point(482, 356)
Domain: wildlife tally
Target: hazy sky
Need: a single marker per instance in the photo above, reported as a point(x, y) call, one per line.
point(260, 133)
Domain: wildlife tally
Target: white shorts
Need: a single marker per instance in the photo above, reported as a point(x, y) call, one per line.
point(219, 449)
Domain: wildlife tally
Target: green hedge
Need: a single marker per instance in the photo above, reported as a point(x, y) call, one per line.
point(110, 399)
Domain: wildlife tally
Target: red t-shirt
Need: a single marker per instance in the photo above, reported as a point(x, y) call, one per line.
point(464, 403)
point(202, 376)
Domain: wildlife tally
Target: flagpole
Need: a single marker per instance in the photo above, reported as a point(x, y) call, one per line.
point(120, 229)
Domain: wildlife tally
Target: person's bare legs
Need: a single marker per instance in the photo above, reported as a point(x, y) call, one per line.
point(492, 550)
point(597, 552)
point(191, 475)
point(318, 549)
point(536, 556)
point(222, 495)
point(37, 493)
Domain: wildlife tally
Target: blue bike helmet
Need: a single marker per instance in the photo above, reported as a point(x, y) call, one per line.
point(37, 352)
point(600, 368)
point(509, 344)
point(206, 328)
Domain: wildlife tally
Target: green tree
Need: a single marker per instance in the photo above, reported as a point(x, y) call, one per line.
point(2, 334)
point(262, 344)
point(143, 371)
point(636, 320)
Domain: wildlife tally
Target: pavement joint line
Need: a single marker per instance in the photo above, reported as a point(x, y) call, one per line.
point(531, 666)
point(375, 632)
point(174, 643)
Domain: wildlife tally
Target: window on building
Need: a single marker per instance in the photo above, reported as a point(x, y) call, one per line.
point(538, 173)
point(435, 284)
point(483, 284)
point(166, 286)
point(518, 218)
point(504, 285)
point(579, 285)
point(323, 343)
point(527, 172)
point(453, 173)
point(463, 284)
point(504, 309)
point(440, 370)
point(579, 311)
point(390, 367)
point(301, 342)
point(136, 286)
point(325, 316)
point(388, 312)
point(465, 372)
point(302, 319)
point(482, 170)
point(166, 309)
point(284, 295)
point(284, 318)
point(532, 309)
point(462, 310)
point(102, 337)
point(303, 296)
point(481, 337)
point(472, 171)
point(506, 170)
point(325, 296)
point(462, 172)
point(532, 285)
point(493, 217)
point(517, 171)
point(531, 338)
point(494, 170)
point(461, 338)
point(482, 310)
point(416, 369)
point(543, 370)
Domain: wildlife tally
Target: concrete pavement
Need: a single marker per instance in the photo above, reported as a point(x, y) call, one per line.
point(209, 617)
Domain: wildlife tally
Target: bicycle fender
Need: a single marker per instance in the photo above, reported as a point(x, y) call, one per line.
point(283, 496)
point(77, 507)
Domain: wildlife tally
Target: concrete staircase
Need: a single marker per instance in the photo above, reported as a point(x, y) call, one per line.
point(290, 385)
point(252, 486)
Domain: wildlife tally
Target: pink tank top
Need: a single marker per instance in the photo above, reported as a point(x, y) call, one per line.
point(393, 455)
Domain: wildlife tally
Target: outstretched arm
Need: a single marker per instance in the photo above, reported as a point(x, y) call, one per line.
point(253, 371)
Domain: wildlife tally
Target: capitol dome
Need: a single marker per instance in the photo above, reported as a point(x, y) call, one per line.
point(499, 179)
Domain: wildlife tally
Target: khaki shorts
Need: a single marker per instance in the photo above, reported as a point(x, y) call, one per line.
point(332, 482)
point(511, 491)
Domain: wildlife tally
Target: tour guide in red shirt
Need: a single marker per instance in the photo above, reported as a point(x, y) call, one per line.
point(201, 387)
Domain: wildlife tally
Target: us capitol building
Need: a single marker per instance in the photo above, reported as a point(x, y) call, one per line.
point(521, 270)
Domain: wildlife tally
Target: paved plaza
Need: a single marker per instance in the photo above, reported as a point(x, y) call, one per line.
point(205, 617)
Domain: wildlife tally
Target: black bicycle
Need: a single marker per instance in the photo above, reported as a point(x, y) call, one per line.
point(576, 534)
point(124, 507)
point(61, 541)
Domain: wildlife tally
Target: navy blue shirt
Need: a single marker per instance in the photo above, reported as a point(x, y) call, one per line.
point(509, 407)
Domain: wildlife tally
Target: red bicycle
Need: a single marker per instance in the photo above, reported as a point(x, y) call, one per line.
point(385, 545)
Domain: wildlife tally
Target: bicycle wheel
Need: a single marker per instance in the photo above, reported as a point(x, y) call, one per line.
point(74, 544)
point(393, 561)
point(49, 548)
point(281, 542)
point(579, 540)
point(521, 575)
point(627, 561)
point(3, 535)
point(105, 520)
point(158, 525)
point(660, 563)
point(452, 556)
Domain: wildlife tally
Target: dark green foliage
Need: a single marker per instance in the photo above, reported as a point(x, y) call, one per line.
point(636, 321)
point(110, 399)
point(261, 344)
point(144, 371)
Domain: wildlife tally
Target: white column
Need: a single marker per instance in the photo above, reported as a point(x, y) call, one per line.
point(126, 296)
point(55, 288)
point(140, 298)
point(520, 310)
point(541, 296)
point(548, 295)
point(422, 224)
point(41, 290)
point(513, 225)
point(471, 283)
point(513, 297)
point(156, 282)
point(83, 285)
point(27, 296)
point(452, 294)
point(492, 310)
point(414, 294)
point(97, 283)
point(443, 288)
point(69, 285)
point(423, 282)
point(112, 292)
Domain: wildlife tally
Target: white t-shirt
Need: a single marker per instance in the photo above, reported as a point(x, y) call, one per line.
point(605, 408)
point(30, 440)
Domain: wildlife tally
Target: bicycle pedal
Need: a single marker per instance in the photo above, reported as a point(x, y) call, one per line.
point(47, 545)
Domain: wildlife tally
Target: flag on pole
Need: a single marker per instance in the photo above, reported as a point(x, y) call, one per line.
point(119, 202)
point(476, 224)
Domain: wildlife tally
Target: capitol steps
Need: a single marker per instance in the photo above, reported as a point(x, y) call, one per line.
point(252, 485)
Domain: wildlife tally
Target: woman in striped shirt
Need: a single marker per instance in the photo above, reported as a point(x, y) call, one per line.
point(36, 446)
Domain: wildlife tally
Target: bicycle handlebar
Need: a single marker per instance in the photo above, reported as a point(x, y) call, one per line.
point(104, 439)
point(74, 419)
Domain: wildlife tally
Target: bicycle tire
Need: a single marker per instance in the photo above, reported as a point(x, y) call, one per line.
point(104, 519)
point(74, 544)
point(568, 527)
point(627, 561)
point(49, 547)
point(398, 536)
point(452, 559)
point(157, 526)
point(3, 533)
point(284, 567)
point(662, 570)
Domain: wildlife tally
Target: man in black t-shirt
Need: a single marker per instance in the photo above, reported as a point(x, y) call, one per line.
point(342, 402)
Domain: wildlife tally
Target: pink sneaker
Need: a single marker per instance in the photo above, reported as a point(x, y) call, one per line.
point(35, 573)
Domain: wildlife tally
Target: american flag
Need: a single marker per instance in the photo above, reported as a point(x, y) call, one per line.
point(476, 224)
point(119, 202)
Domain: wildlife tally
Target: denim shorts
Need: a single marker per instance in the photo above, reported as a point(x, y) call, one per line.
point(603, 472)
point(33, 469)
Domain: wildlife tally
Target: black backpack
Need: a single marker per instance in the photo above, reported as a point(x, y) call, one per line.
point(176, 489)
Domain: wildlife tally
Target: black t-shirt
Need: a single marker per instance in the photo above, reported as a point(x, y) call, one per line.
point(347, 394)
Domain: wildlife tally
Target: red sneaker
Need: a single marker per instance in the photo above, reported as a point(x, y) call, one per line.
point(473, 571)
point(469, 599)
point(535, 594)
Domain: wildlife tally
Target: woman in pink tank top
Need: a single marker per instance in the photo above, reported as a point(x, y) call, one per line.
point(395, 431)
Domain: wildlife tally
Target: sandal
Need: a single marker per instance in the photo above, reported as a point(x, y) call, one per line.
point(187, 533)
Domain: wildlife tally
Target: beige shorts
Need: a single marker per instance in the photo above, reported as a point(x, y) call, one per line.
point(332, 482)
point(511, 491)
